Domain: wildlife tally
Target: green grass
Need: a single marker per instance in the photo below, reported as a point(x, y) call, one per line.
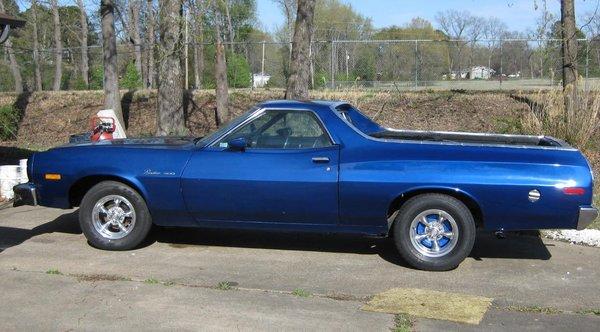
point(589, 312)
point(151, 281)
point(224, 285)
point(54, 271)
point(402, 323)
point(301, 292)
point(535, 309)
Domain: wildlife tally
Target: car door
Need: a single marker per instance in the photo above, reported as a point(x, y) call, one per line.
point(287, 173)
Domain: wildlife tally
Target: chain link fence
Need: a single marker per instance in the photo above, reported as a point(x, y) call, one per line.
point(508, 64)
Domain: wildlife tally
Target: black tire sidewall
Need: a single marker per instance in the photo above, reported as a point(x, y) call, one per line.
point(458, 211)
point(143, 221)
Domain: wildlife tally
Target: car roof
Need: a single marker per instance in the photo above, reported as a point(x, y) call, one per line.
point(298, 104)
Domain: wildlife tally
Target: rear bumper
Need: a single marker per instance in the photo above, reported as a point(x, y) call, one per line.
point(587, 215)
point(25, 194)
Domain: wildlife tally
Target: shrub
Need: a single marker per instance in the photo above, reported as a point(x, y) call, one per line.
point(97, 78)
point(566, 115)
point(9, 122)
point(132, 79)
point(238, 71)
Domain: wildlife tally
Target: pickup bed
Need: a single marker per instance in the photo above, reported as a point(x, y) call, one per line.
point(319, 167)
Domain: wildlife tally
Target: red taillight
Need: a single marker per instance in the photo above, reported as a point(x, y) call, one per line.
point(576, 191)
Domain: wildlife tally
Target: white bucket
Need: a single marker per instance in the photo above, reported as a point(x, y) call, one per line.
point(119, 128)
point(23, 171)
point(9, 177)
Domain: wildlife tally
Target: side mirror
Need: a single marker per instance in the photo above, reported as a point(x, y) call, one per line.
point(237, 144)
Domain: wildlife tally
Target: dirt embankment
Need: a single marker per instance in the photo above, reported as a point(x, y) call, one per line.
point(50, 117)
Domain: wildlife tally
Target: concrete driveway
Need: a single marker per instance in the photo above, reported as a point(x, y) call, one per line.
point(194, 279)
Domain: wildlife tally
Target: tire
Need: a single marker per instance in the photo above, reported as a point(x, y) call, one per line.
point(113, 216)
point(437, 246)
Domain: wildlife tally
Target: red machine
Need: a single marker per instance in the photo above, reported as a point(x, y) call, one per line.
point(102, 128)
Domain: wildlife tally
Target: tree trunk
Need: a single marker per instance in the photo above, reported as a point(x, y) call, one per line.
point(134, 26)
point(14, 66)
point(36, 47)
point(171, 120)
point(150, 82)
point(222, 86)
point(197, 10)
point(569, 42)
point(231, 33)
point(298, 82)
point(112, 98)
point(58, 49)
point(85, 67)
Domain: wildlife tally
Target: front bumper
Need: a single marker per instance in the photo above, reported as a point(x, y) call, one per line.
point(25, 194)
point(587, 215)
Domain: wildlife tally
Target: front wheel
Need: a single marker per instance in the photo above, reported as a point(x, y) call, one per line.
point(113, 216)
point(434, 232)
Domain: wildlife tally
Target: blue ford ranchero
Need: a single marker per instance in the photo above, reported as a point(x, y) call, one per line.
point(322, 167)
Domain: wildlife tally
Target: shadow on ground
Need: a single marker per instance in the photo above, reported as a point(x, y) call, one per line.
point(514, 246)
point(12, 236)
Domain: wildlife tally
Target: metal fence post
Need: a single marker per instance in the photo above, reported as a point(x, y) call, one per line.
point(587, 62)
point(332, 64)
point(416, 64)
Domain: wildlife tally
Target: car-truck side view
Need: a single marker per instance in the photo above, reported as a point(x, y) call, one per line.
point(319, 167)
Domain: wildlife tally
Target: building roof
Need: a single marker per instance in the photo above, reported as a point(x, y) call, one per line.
point(10, 20)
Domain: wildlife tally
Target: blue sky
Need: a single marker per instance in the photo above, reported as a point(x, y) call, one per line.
point(518, 15)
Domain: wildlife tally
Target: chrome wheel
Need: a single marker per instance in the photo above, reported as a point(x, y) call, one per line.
point(113, 217)
point(434, 233)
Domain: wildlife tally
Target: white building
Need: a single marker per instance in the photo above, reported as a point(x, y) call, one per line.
point(481, 73)
point(260, 80)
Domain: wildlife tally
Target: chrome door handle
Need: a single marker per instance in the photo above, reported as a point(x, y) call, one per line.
point(320, 160)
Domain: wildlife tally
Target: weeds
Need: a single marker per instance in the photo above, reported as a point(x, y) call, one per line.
point(9, 122)
point(54, 272)
point(224, 285)
point(151, 281)
point(402, 323)
point(535, 309)
point(571, 115)
point(589, 312)
point(301, 292)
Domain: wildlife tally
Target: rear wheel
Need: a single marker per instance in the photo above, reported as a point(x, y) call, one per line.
point(113, 216)
point(434, 232)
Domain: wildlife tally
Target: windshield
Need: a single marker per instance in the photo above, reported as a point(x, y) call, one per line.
point(224, 128)
point(359, 120)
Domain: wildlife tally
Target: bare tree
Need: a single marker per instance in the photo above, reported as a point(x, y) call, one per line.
point(569, 43)
point(112, 98)
point(171, 120)
point(14, 66)
point(230, 30)
point(58, 47)
point(150, 40)
point(222, 85)
point(455, 25)
point(83, 39)
point(134, 32)
point(289, 8)
point(298, 82)
point(198, 26)
point(36, 47)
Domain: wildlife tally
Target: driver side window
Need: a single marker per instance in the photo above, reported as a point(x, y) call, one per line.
point(281, 130)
